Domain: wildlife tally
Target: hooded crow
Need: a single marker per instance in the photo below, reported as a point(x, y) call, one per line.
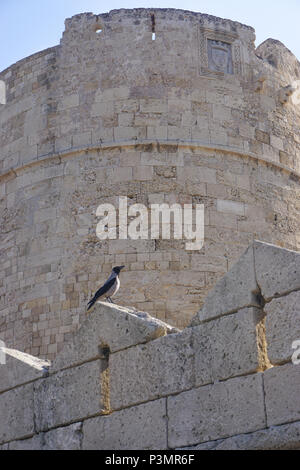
point(109, 288)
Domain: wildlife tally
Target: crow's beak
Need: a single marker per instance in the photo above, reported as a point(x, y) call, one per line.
point(121, 267)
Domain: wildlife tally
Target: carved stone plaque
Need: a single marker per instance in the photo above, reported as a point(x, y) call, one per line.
point(219, 56)
point(219, 52)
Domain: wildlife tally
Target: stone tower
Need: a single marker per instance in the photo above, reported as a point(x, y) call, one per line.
point(161, 106)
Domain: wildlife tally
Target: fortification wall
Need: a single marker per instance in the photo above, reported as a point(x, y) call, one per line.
point(115, 113)
point(128, 381)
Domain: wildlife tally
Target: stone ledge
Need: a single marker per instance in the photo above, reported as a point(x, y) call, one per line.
point(236, 290)
point(184, 144)
point(20, 368)
point(263, 272)
point(223, 348)
point(277, 270)
point(112, 326)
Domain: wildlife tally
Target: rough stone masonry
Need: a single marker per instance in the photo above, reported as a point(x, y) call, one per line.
point(197, 115)
point(126, 380)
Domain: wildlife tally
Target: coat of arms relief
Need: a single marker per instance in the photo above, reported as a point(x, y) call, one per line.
point(219, 53)
point(219, 56)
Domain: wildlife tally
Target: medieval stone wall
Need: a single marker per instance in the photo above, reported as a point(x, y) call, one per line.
point(128, 381)
point(194, 116)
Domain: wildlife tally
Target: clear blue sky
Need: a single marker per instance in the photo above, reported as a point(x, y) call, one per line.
point(28, 26)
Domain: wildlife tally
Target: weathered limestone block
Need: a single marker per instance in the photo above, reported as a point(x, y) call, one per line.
point(277, 270)
point(236, 290)
point(16, 411)
point(228, 346)
point(285, 437)
point(209, 445)
point(282, 392)
point(139, 427)
point(197, 174)
point(153, 106)
point(216, 411)
point(84, 138)
point(282, 326)
point(66, 438)
point(151, 370)
point(109, 325)
point(4, 447)
point(33, 443)
point(233, 207)
point(112, 94)
point(68, 395)
point(69, 101)
point(264, 269)
point(20, 368)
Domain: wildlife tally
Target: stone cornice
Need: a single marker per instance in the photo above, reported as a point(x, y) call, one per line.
point(181, 144)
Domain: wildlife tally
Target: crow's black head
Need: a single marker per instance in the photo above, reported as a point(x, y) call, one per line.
point(117, 269)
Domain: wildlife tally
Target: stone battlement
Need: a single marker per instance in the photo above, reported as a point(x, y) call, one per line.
point(128, 381)
point(192, 115)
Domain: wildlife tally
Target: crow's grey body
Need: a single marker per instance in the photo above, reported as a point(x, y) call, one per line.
point(109, 288)
point(113, 289)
